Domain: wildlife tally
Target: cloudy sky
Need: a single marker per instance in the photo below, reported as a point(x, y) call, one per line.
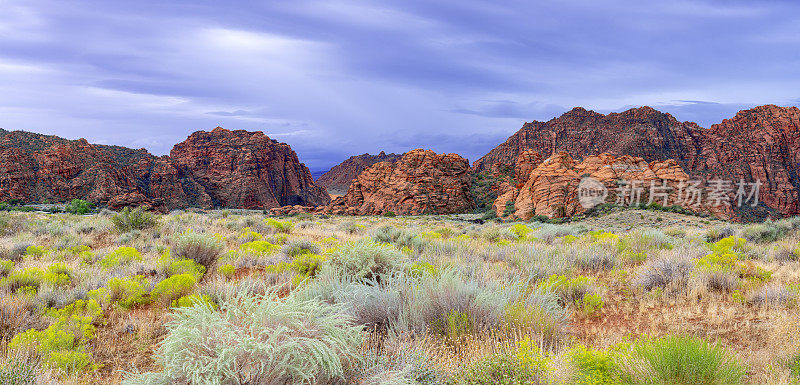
point(337, 78)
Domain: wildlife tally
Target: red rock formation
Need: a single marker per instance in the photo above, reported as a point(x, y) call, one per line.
point(642, 132)
point(762, 143)
point(35, 168)
point(552, 189)
point(337, 180)
point(421, 182)
point(247, 170)
point(526, 162)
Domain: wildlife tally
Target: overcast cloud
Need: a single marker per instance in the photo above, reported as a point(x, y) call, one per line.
point(337, 78)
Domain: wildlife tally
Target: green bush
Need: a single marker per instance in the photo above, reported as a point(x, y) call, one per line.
point(6, 267)
point(174, 287)
point(570, 290)
point(675, 360)
point(203, 249)
point(257, 340)
point(524, 365)
point(364, 260)
point(126, 292)
point(285, 227)
point(120, 256)
point(136, 219)
point(79, 206)
point(37, 251)
point(63, 344)
point(227, 270)
point(17, 371)
point(193, 300)
point(593, 367)
point(765, 232)
point(186, 266)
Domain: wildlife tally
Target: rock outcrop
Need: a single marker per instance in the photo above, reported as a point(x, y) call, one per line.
point(760, 144)
point(553, 189)
point(35, 168)
point(337, 180)
point(421, 182)
point(247, 170)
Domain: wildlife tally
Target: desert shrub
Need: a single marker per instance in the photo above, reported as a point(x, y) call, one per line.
point(17, 369)
point(377, 306)
point(136, 219)
point(37, 251)
point(451, 304)
point(63, 344)
point(525, 364)
point(786, 252)
point(715, 234)
point(351, 228)
point(389, 214)
point(397, 363)
point(194, 300)
point(300, 246)
point(663, 272)
point(772, 295)
point(6, 267)
point(173, 288)
point(32, 278)
point(256, 248)
point(124, 292)
point(17, 317)
point(257, 339)
point(536, 311)
point(680, 360)
point(16, 252)
point(277, 226)
point(227, 270)
point(121, 256)
point(548, 232)
point(569, 290)
point(364, 260)
point(249, 235)
point(593, 257)
point(201, 248)
point(186, 266)
point(765, 232)
point(520, 230)
point(78, 206)
point(593, 367)
point(637, 245)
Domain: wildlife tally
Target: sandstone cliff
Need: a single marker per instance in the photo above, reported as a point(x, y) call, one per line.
point(337, 180)
point(762, 143)
point(421, 182)
point(37, 168)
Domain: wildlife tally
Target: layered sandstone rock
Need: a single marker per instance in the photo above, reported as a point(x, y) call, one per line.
point(222, 168)
point(247, 170)
point(338, 179)
point(552, 188)
point(641, 132)
point(421, 182)
point(760, 144)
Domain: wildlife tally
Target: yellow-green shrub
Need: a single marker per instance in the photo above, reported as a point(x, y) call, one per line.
point(63, 344)
point(122, 255)
point(6, 267)
point(227, 270)
point(285, 227)
point(127, 292)
point(192, 300)
point(174, 287)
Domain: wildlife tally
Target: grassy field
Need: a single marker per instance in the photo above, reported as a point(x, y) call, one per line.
point(227, 297)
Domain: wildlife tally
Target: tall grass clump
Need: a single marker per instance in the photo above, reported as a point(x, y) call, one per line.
point(676, 360)
point(201, 248)
point(136, 219)
point(256, 340)
point(663, 272)
point(766, 232)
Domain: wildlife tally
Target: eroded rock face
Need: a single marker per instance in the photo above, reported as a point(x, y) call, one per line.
point(762, 143)
point(338, 179)
point(642, 132)
point(247, 170)
point(35, 168)
point(421, 182)
point(552, 188)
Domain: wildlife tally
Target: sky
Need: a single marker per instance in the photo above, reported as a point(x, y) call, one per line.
point(339, 78)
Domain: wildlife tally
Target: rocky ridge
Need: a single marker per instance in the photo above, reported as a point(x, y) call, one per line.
point(337, 180)
point(759, 144)
point(200, 172)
